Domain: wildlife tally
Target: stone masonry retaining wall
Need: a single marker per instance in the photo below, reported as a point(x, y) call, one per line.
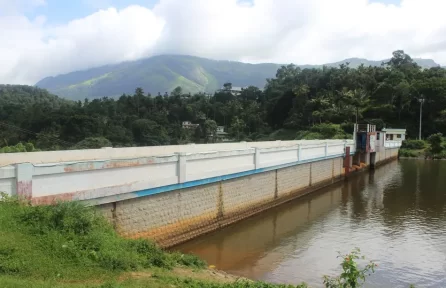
point(174, 217)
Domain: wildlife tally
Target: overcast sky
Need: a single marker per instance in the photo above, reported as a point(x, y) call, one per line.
point(40, 38)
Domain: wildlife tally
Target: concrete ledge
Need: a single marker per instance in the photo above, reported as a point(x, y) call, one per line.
point(57, 168)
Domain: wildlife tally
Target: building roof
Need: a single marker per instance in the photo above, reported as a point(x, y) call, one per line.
point(394, 130)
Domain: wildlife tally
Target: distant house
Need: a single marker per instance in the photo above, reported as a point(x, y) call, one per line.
point(222, 136)
point(189, 125)
point(395, 134)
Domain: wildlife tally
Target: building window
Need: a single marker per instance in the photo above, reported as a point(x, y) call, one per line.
point(398, 136)
point(377, 136)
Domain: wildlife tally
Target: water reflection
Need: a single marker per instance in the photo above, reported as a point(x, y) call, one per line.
point(396, 215)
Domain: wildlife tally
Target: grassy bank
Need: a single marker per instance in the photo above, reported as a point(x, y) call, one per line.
point(69, 245)
point(433, 148)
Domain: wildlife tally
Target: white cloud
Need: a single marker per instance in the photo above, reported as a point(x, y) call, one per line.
point(299, 31)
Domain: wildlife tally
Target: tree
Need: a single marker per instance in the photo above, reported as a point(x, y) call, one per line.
point(436, 143)
point(149, 133)
point(139, 95)
point(401, 60)
point(178, 91)
point(93, 143)
point(237, 126)
point(210, 127)
point(360, 100)
point(227, 87)
point(250, 93)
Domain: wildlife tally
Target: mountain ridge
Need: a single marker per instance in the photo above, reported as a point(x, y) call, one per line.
point(162, 73)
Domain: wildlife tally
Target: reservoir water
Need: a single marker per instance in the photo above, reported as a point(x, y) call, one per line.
point(396, 215)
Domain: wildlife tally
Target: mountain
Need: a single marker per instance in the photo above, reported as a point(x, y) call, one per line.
point(164, 73)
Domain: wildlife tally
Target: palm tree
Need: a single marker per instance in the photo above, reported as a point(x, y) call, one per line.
point(358, 98)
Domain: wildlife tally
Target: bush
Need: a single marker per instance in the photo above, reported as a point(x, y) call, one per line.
point(28, 147)
point(352, 275)
point(413, 144)
point(436, 143)
point(408, 153)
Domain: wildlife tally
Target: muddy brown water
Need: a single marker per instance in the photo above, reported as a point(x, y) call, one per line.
point(396, 215)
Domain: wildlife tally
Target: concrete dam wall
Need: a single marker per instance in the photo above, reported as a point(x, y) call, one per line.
point(173, 198)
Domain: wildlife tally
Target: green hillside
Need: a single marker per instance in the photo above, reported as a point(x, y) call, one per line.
point(162, 74)
point(158, 74)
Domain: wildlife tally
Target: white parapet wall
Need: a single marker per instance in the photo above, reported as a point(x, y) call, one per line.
point(113, 174)
point(137, 152)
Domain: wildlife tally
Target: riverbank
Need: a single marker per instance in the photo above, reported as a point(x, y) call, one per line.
point(69, 245)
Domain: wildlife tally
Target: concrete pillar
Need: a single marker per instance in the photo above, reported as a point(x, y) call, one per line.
point(257, 158)
point(24, 178)
point(347, 160)
point(181, 167)
point(355, 130)
point(372, 160)
point(357, 158)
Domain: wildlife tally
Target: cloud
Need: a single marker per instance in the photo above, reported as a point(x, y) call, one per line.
point(298, 31)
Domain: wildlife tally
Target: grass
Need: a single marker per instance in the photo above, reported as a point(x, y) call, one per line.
point(69, 245)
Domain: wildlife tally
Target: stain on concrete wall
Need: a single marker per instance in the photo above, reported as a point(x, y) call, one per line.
point(177, 216)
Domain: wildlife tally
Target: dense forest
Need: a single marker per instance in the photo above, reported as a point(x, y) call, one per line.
point(298, 103)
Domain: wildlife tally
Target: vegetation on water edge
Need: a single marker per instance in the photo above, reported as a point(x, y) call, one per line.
point(409, 153)
point(70, 245)
point(413, 144)
point(433, 148)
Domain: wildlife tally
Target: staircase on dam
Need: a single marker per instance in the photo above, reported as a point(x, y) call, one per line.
point(174, 193)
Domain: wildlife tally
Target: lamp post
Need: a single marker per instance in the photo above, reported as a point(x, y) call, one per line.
point(421, 100)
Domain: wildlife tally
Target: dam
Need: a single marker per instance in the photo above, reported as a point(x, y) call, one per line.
point(172, 194)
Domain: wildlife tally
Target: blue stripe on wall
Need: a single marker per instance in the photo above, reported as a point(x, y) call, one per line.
point(158, 190)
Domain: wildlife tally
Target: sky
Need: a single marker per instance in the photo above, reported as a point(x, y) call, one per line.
point(41, 38)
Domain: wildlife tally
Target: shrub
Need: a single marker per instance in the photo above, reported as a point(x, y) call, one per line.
point(436, 143)
point(408, 153)
point(413, 144)
point(352, 275)
point(28, 147)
